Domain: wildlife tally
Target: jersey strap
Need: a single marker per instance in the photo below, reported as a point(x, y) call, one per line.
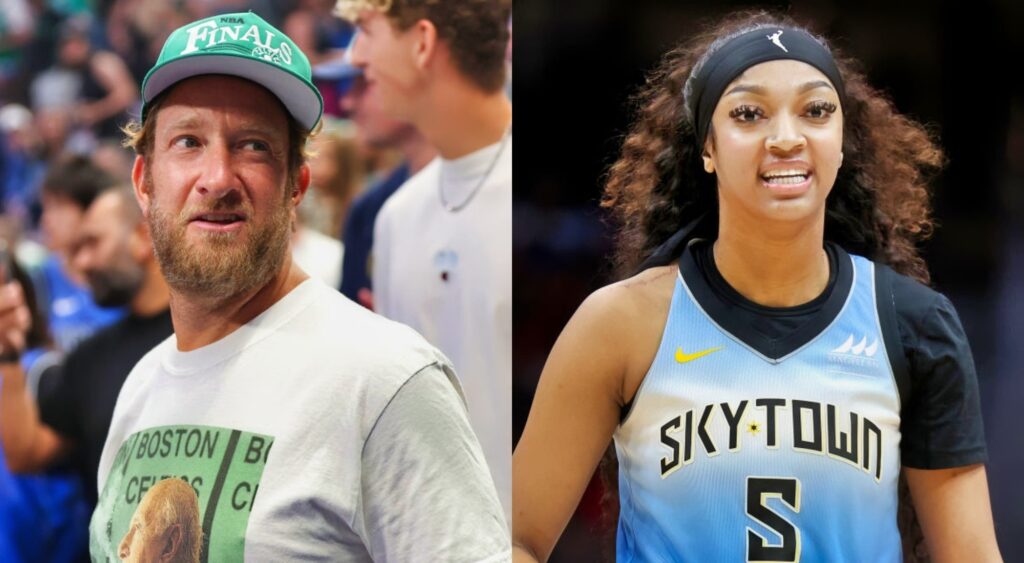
point(886, 302)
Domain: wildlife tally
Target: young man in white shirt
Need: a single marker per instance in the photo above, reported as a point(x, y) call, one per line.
point(443, 243)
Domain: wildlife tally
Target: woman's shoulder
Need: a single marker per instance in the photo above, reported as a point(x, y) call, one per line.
point(632, 299)
point(622, 324)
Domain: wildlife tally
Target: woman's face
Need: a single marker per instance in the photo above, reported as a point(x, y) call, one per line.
point(775, 144)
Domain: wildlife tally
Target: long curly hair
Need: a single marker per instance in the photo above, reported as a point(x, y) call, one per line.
point(878, 208)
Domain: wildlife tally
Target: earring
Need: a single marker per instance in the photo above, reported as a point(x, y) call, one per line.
point(709, 165)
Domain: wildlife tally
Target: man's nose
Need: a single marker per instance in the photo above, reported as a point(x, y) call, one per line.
point(357, 50)
point(218, 172)
point(80, 259)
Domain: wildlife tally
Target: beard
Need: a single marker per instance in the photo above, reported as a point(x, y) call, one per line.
point(117, 285)
point(218, 266)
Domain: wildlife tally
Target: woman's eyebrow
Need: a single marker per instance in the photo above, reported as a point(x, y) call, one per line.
point(759, 90)
point(816, 84)
point(752, 88)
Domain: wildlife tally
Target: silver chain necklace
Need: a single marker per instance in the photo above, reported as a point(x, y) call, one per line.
point(490, 168)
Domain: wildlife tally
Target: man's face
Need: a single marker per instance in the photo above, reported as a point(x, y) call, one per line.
point(374, 127)
point(215, 190)
point(105, 251)
point(60, 222)
point(388, 59)
point(138, 544)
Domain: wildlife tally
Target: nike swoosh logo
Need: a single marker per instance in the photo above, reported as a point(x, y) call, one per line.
point(683, 357)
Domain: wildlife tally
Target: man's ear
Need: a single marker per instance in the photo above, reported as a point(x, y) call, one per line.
point(170, 543)
point(301, 185)
point(425, 47)
point(139, 186)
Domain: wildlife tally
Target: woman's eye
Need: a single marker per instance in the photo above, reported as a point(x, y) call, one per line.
point(746, 114)
point(820, 110)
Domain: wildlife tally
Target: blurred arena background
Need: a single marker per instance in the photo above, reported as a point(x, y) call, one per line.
point(579, 60)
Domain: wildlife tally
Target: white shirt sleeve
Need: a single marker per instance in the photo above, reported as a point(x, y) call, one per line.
point(426, 492)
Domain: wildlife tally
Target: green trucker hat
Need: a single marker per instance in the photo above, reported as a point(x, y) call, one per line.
point(242, 45)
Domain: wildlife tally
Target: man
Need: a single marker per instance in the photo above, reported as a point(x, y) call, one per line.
point(95, 83)
point(309, 428)
point(70, 187)
point(376, 129)
point(443, 243)
point(77, 396)
point(165, 526)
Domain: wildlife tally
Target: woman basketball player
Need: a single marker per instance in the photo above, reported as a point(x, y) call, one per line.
point(777, 361)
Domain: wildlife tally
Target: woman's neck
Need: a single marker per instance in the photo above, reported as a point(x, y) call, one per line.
point(775, 268)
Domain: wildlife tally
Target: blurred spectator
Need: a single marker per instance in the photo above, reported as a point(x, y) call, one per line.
point(442, 262)
point(375, 130)
point(136, 30)
point(76, 397)
point(67, 191)
point(323, 38)
point(94, 84)
point(113, 159)
point(16, 30)
point(337, 170)
point(23, 164)
point(43, 517)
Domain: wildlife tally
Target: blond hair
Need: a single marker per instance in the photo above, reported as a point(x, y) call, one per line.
point(349, 9)
point(475, 31)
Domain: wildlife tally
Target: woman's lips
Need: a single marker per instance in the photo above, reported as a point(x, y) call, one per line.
point(785, 187)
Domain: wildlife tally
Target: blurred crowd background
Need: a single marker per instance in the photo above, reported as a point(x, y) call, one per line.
point(578, 62)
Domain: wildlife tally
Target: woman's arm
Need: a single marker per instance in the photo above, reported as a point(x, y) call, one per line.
point(608, 343)
point(955, 514)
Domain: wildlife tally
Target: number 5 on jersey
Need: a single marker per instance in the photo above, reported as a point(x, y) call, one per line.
point(759, 490)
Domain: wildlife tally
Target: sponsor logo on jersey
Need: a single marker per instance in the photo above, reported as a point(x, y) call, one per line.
point(683, 357)
point(856, 352)
point(807, 426)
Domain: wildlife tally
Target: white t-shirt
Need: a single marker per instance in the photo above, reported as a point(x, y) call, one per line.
point(316, 432)
point(449, 275)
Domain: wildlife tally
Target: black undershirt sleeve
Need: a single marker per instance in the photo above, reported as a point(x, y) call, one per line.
point(941, 416)
point(59, 397)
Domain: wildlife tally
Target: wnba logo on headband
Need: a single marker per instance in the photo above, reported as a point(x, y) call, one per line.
point(722, 64)
point(775, 39)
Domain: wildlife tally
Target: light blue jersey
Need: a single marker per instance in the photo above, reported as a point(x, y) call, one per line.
point(729, 455)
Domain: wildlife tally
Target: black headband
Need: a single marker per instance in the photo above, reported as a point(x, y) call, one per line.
point(746, 50)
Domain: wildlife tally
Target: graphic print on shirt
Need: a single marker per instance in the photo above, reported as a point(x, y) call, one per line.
point(221, 467)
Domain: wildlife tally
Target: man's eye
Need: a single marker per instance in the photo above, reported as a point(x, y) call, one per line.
point(257, 146)
point(186, 142)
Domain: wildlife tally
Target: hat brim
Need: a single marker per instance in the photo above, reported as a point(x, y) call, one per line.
point(300, 98)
